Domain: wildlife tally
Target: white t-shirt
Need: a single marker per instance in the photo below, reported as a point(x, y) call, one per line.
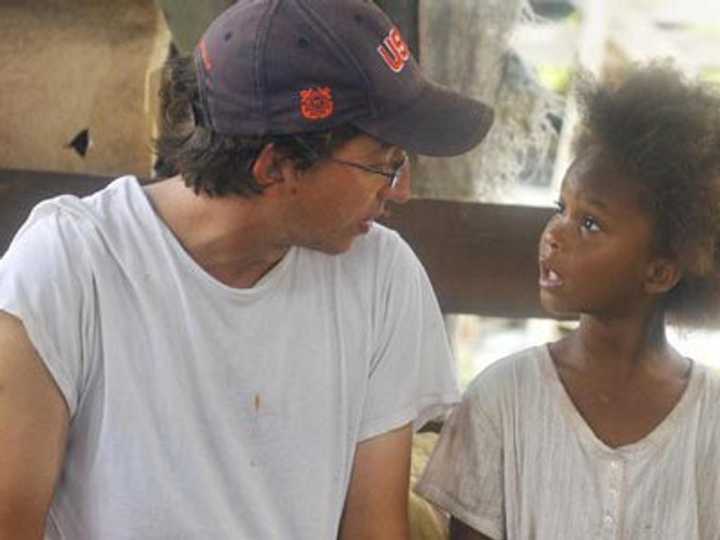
point(516, 460)
point(200, 411)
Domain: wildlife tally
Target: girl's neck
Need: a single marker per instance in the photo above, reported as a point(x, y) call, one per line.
point(620, 348)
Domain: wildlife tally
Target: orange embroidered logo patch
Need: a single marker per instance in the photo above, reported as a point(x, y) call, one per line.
point(394, 51)
point(317, 103)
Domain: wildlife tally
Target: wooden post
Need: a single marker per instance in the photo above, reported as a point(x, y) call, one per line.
point(188, 20)
point(591, 53)
point(463, 45)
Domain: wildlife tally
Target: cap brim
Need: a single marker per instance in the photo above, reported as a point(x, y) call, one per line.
point(440, 122)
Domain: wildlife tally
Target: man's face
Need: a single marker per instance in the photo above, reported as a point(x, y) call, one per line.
point(337, 202)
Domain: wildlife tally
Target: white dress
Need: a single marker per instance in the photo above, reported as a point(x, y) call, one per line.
point(516, 460)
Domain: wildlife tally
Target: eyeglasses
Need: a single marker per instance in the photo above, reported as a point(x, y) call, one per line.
point(392, 177)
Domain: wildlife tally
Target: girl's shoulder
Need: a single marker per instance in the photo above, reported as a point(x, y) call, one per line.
point(709, 383)
point(521, 376)
point(701, 419)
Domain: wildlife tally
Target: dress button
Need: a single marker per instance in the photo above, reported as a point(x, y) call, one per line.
point(608, 520)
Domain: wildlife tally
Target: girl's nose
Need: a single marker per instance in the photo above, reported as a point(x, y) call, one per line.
point(550, 238)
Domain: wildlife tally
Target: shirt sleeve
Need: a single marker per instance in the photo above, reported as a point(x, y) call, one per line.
point(412, 373)
point(465, 473)
point(42, 284)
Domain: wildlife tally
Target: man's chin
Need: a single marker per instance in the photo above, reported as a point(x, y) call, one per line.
point(340, 243)
point(339, 249)
point(334, 248)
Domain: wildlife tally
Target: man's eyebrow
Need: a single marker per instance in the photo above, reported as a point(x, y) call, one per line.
point(382, 150)
point(385, 146)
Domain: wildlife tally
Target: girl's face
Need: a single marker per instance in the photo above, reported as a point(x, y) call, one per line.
point(595, 252)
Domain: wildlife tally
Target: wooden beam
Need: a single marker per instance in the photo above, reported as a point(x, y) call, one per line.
point(481, 258)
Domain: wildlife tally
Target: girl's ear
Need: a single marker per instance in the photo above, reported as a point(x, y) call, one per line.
point(662, 275)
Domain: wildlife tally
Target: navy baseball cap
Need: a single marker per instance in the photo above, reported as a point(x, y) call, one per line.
point(278, 67)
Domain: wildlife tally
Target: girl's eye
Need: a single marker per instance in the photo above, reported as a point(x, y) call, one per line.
point(591, 224)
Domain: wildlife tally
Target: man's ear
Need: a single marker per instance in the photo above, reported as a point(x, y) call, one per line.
point(662, 275)
point(267, 167)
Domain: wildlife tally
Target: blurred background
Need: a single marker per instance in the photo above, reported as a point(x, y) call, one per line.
point(552, 40)
point(80, 81)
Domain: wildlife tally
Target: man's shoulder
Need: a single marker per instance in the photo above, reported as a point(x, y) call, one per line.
point(72, 209)
point(76, 227)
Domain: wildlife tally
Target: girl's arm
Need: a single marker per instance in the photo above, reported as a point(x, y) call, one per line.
point(460, 531)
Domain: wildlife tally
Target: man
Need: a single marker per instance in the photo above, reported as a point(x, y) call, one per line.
point(238, 351)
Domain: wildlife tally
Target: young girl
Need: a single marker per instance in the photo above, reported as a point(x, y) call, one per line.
point(610, 432)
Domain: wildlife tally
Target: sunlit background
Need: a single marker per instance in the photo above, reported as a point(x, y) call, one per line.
point(554, 42)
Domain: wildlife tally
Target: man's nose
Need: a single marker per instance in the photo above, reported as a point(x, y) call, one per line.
point(402, 190)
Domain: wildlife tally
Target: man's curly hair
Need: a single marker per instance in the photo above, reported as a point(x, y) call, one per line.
point(216, 164)
point(663, 131)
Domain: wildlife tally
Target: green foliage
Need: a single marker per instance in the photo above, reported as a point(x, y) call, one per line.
point(711, 75)
point(556, 78)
